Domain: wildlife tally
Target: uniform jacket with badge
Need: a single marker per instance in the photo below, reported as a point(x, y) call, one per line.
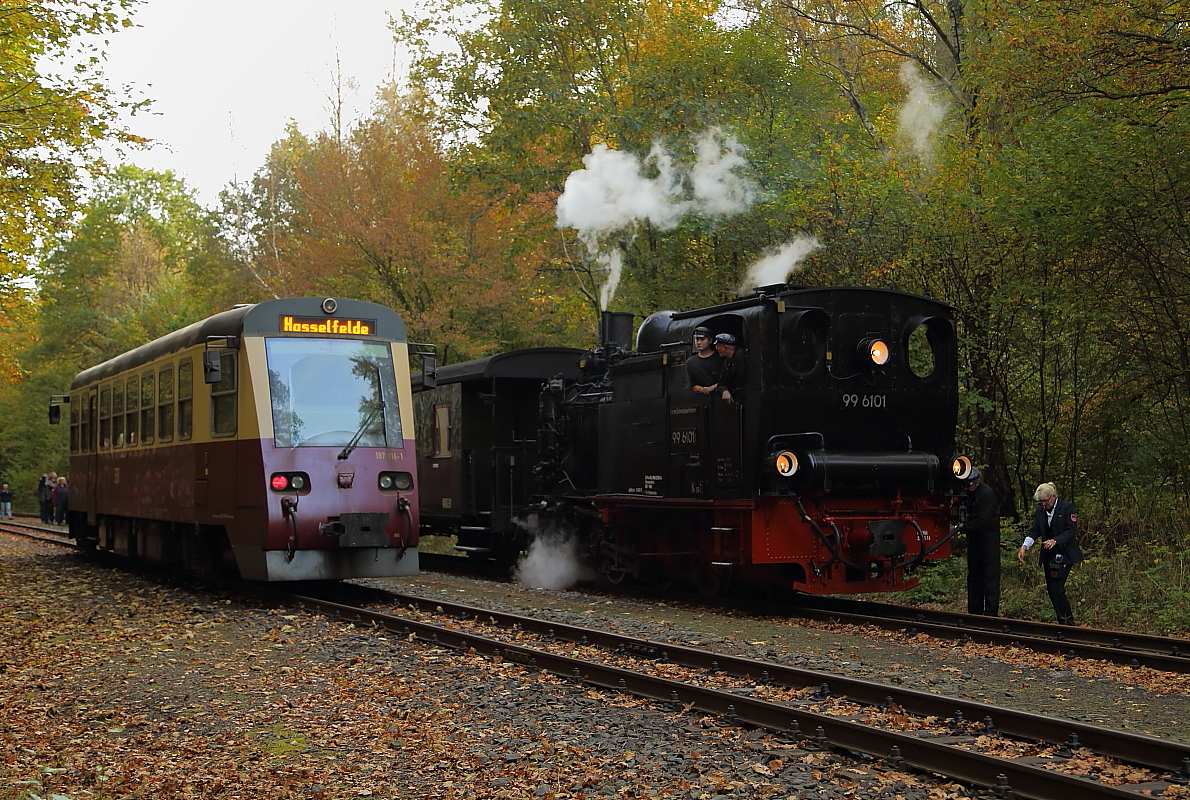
point(1063, 530)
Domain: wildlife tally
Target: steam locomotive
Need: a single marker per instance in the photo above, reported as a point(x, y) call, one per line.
point(828, 471)
point(272, 441)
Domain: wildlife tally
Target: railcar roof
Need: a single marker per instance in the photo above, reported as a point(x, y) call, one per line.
point(541, 363)
point(236, 322)
point(225, 323)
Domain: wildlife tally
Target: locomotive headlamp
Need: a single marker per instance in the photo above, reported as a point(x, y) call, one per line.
point(962, 467)
point(785, 463)
point(403, 481)
point(877, 351)
point(298, 482)
point(386, 481)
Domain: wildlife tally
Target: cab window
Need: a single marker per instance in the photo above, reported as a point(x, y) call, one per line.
point(223, 398)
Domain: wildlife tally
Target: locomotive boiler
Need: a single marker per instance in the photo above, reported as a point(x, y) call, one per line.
point(829, 470)
point(272, 440)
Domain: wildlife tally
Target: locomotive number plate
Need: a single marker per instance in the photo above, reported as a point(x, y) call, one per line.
point(865, 401)
point(684, 437)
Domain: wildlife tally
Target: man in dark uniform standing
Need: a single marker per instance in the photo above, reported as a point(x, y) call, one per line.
point(733, 377)
point(705, 365)
point(1055, 525)
point(982, 528)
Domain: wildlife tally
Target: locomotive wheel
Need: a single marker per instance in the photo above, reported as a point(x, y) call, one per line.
point(615, 575)
point(712, 579)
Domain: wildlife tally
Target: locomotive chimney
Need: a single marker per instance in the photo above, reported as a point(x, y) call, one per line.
point(616, 328)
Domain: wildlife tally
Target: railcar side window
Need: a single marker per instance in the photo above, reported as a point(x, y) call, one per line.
point(223, 398)
point(147, 407)
point(441, 430)
point(118, 415)
point(74, 424)
point(804, 340)
point(105, 418)
point(185, 398)
point(165, 404)
point(86, 421)
point(132, 398)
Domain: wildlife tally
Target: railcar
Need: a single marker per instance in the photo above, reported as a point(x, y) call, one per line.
point(832, 471)
point(274, 440)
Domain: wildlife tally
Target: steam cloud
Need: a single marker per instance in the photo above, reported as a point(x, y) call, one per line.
point(612, 195)
point(552, 561)
point(778, 263)
point(921, 114)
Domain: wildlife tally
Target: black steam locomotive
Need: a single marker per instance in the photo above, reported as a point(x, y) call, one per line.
point(829, 470)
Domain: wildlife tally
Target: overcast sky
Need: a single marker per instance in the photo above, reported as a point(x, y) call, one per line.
point(226, 76)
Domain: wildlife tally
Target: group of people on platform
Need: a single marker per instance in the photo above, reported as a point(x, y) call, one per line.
point(53, 498)
point(1054, 530)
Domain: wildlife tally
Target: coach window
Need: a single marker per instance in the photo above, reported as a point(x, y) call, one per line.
point(223, 398)
point(131, 399)
point(147, 407)
point(105, 418)
point(86, 420)
point(165, 404)
point(441, 430)
point(118, 414)
point(74, 423)
point(185, 398)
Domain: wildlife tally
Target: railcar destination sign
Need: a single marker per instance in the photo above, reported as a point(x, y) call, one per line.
point(340, 327)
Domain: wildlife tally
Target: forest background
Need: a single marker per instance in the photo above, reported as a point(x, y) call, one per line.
point(1025, 162)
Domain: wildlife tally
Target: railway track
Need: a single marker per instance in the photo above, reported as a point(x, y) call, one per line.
point(957, 738)
point(38, 532)
point(1130, 649)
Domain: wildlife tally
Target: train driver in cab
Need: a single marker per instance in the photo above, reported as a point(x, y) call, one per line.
point(704, 367)
point(732, 378)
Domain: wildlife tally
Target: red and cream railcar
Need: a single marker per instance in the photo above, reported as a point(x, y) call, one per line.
point(274, 438)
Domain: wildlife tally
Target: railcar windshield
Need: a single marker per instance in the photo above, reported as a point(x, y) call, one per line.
point(328, 392)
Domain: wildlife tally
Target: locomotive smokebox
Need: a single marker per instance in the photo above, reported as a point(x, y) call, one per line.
point(616, 328)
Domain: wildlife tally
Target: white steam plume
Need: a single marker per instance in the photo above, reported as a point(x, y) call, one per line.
point(552, 561)
point(776, 265)
point(921, 114)
point(611, 196)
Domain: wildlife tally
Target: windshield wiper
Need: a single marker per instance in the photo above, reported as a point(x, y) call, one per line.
point(359, 434)
point(363, 426)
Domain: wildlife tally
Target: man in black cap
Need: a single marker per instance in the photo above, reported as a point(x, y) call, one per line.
point(981, 525)
point(732, 378)
point(704, 367)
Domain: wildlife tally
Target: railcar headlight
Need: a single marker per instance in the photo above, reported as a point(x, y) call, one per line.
point(877, 350)
point(298, 482)
point(785, 463)
point(400, 481)
point(962, 467)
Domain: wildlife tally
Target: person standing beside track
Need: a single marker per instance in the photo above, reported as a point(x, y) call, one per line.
point(982, 529)
point(45, 498)
point(5, 501)
point(1055, 525)
point(61, 501)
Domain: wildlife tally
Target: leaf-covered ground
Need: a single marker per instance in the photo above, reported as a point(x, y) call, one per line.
point(114, 686)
